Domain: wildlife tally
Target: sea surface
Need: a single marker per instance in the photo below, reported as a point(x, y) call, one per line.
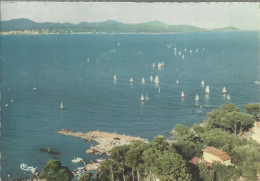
point(57, 67)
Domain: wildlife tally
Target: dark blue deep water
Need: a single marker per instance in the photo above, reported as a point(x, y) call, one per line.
point(57, 65)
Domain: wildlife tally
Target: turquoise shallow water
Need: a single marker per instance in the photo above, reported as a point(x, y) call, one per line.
point(57, 65)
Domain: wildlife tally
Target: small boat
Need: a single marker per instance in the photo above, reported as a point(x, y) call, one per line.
point(156, 80)
point(197, 50)
point(190, 51)
point(197, 97)
point(162, 64)
point(182, 94)
point(146, 97)
point(76, 160)
point(182, 57)
point(61, 106)
point(159, 90)
point(202, 83)
point(179, 52)
point(175, 53)
point(154, 65)
point(35, 88)
point(207, 91)
point(88, 60)
point(228, 97)
point(159, 65)
point(11, 100)
point(203, 49)
point(185, 49)
point(224, 90)
point(131, 80)
point(118, 44)
point(99, 160)
point(143, 80)
point(115, 78)
point(256, 82)
point(6, 105)
point(142, 98)
point(177, 81)
point(151, 78)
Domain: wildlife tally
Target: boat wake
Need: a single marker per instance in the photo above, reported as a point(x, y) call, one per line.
point(106, 53)
point(256, 82)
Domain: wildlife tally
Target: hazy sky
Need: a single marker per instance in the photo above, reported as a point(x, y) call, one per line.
point(205, 15)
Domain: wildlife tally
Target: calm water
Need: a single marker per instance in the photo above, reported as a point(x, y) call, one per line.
point(57, 65)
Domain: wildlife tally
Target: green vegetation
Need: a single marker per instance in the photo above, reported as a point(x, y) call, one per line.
point(54, 171)
point(224, 128)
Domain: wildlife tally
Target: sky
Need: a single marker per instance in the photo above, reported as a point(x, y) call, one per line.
point(205, 15)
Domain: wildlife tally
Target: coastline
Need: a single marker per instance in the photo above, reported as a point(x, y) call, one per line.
point(106, 141)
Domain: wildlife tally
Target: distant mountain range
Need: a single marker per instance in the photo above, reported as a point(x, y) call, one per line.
point(98, 27)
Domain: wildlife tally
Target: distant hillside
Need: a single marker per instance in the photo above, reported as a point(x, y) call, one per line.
point(109, 26)
point(228, 28)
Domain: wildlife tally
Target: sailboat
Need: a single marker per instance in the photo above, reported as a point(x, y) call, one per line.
point(156, 80)
point(162, 64)
point(179, 52)
point(224, 90)
point(207, 91)
point(185, 49)
point(159, 65)
point(115, 78)
point(177, 81)
point(142, 98)
point(182, 57)
point(197, 97)
point(146, 97)
point(131, 80)
point(118, 44)
point(228, 97)
point(76, 160)
point(88, 60)
point(151, 78)
point(202, 83)
point(154, 65)
point(190, 51)
point(203, 49)
point(143, 80)
point(197, 50)
point(182, 94)
point(61, 106)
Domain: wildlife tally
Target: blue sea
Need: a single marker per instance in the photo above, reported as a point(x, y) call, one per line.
point(57, 66)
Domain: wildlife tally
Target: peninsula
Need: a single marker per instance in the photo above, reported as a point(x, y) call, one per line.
point(106, 141)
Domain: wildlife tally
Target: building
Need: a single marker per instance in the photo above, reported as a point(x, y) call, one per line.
point(256, 132)
point(211, 154)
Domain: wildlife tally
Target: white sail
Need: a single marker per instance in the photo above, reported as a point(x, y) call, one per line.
point(61, 106)
point(156, 80)
point(190, 51)
point(179, 52)
point(177, 81)
point(197, 97)
point(224, 91)
point(153, 65)
point(175, 53)
point(88, 60)
point(182, 57)
point(118, 44)
point(115, 78)
point(151, 78)
point(185, 49)
point(182, 94)
point(228, 97)
point(146, 97)
point(162, 64)
point(202, 83)
point(142, 98)
point(203, 49)
point(159, 65)
point(143, 80)
point(131, 80)
point(207, 91)
point(197, 50)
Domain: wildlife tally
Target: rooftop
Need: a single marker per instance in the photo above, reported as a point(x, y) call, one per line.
point(217, 152)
